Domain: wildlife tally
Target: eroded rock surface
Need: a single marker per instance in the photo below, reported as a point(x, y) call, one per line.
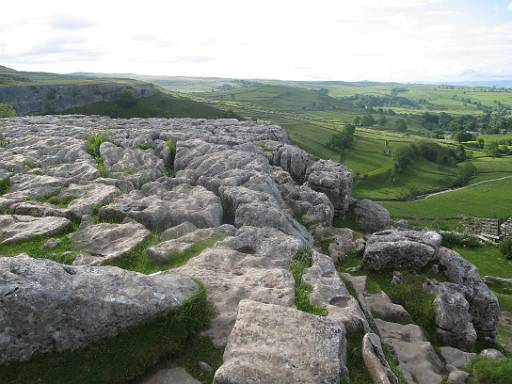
point(396, 250)
point(76, 306)
point(19, 228)
point(273, 344)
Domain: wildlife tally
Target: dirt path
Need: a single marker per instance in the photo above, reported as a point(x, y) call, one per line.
point(458, 189)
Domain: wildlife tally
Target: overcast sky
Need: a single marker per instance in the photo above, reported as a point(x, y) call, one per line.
point(385, 40)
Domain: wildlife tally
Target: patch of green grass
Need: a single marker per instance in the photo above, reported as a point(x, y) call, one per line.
point(145, 146)
point(201, 349)
point(161, 105)
point(393, 364)
point(351, 259)
point(356, 367)
point(302, 261)
point(29, 164)
point(93, 148)
point(492, 199)
point(263, 146)
point(420, 305)
point(36, 249)
point(57, 201)
point(138, 259)
point(488, 260)
point(122, 359)
point(5, 186)
point(490, 371)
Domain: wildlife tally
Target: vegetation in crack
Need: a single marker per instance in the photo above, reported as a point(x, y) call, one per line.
point(93, 148)
point(139, 261)
point(300, 262)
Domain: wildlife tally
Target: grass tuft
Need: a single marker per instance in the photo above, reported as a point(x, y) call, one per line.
point(302, 261)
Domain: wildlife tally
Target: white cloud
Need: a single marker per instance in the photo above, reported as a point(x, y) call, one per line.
point(400, 40)
point(510, 6)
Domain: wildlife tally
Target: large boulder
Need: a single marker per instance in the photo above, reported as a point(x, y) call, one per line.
point(453, 321)
point(401, 250)
point(457, 269)
point(333, 179)
point(18, 228)
point(273, 344)
point(49, 307)
point(369, 215)
point(307, 205)
point(293, 160)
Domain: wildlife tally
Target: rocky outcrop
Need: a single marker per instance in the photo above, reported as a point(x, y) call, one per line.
point(328, 291)
point(369, 215)
point(401, 250)
point(45, 99)
point(159, 208)
point(76, 306)
point(253, 264)
point(304, 348)
point(464, 279)
point(333, 179)
point(455, 357)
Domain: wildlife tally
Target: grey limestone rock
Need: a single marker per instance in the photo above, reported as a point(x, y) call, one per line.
point(76, 306)
point(396, 250)
point(273, 344)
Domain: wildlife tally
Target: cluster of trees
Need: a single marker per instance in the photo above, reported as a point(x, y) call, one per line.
point(493, 148)
point(405, 156)
point(372, 101)
point(369, 121)
point(489, 122)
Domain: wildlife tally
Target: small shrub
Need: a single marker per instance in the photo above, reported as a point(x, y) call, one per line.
point(5, 186)
point(452, 239)
point(490, 371)
point(145, 146)
point(505, 248)
point(94, 142)
point(7, 111)
point(172, 154)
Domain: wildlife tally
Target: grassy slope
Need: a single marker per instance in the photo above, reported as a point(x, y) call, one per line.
point(162, 105)
point(486, 200)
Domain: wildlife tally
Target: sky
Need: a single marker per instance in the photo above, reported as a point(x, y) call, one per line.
point(381, 40)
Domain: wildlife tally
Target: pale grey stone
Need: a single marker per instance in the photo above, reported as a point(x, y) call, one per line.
point(76, 306)
point(273, 344)
point(17, 228)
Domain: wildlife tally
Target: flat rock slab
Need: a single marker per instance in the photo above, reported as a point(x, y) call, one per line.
point(416, 356)
point(102, 242)
point(171, 376)
point(273, 344)
point(162, 209)
point(76, 306)
point(17, 228)
point(456, 357)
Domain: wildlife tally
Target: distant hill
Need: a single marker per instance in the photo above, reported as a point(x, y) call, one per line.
point(483, 83)
point(35, 93)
